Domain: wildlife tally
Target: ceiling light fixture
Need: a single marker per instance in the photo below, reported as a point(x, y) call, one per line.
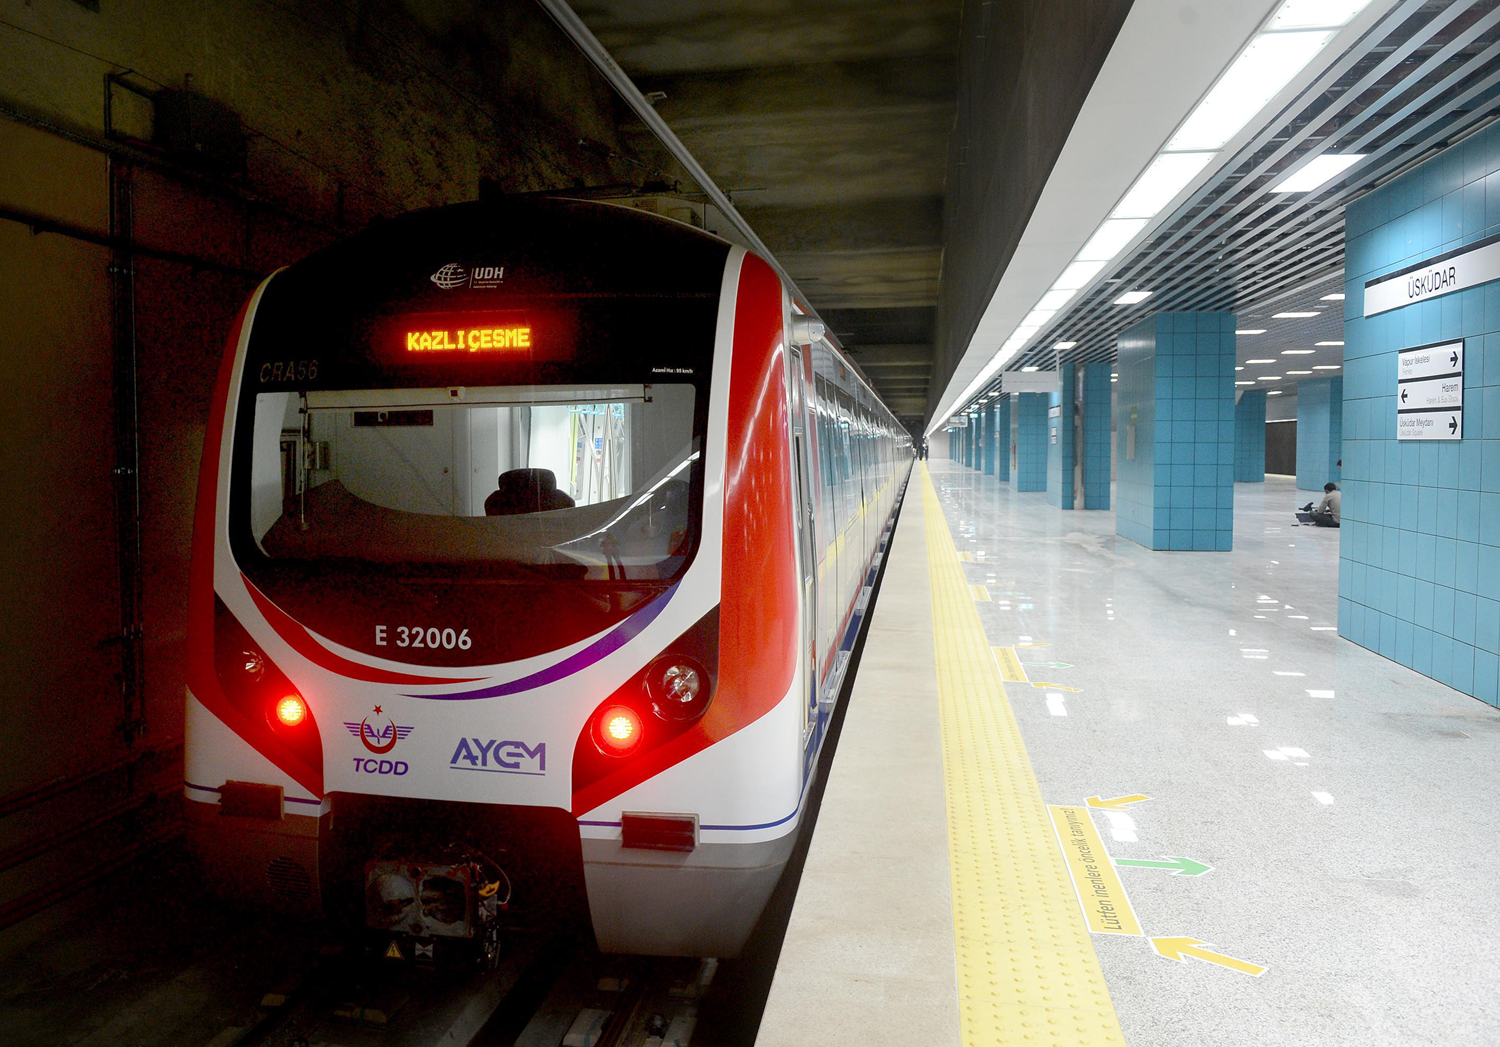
point(1110, 239)
point(1271, 392)
point(1252, 330)
point(1132, 297)
point(1244, 383)
point(1294, 316)
point(1297, 352)
point(1029, 370)
point(1064, 345)
point(1328, 343)
point(1328, 367)
point(1262, 69)
point(1268, 378)
point(1317, 172)
point(1332, 298)
point(1260, 361)
point(1299, 372)
point(1167, 176)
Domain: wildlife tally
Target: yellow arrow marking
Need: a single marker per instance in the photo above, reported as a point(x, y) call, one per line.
point(1033, 645)
point(1180, 949)
point(1057, 687)
point(1119, 803)
point(966, 557)
point(980, 593)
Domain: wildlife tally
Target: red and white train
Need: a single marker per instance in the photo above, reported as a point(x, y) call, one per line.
point(530, 547)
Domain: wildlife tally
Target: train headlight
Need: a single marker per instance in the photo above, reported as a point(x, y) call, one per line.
point(617, 730)
point(678, 687)
point(291, 710)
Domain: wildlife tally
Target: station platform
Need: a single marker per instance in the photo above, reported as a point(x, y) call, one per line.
point(1087, 793)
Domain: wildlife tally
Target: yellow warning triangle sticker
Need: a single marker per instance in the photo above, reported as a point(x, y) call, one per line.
point(393, 951)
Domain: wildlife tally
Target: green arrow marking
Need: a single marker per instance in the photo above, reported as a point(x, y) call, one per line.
point(1178, 866)
point(1051, 665)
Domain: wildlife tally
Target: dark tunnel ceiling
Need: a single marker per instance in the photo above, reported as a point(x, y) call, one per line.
point(828, 125)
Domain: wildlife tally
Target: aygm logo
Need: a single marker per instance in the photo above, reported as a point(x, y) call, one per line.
point(496, 757)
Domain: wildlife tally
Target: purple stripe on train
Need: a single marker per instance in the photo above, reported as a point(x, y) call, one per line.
point(600, 648)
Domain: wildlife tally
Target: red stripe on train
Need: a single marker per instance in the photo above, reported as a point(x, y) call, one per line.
point(758, 613)
point(305, 644)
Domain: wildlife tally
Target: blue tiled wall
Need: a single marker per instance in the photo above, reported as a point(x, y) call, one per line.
point(1097, 396)
point(953, 445)
point(1250, 437)
point(1029, 426)
point(987, 424)
point(1177, 372)
point(1419, 567)
point(1320, 432)
point(1002, 438)
point(1060, 439)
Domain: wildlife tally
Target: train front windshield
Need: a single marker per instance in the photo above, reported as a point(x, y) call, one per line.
point(569, 483)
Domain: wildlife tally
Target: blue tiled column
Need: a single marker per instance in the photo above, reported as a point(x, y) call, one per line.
point(1250, 437)
point(988, 415)
point(1097, 395)
point(969, 444)
point(1029, 428)
point(1419, 552)
point(1177, 386)
point(953, 445)
point(1060, 439)
point(1002, 438)
point(1320, 432)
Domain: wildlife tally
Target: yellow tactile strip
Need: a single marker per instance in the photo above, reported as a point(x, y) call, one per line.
point(1027, 971)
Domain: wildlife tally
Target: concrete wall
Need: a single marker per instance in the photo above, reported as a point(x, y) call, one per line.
point(347, 115)
point(1024, 71)
point(1419, 551)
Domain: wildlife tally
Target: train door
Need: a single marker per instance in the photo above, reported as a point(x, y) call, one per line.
point(807, 540)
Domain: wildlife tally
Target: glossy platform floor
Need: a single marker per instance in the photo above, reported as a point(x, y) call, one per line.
point(1346, 807)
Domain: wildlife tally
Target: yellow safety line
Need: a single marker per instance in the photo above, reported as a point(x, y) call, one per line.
point(1027, 970)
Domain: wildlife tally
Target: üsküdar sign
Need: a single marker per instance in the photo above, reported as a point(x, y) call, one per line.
point(1469, 266)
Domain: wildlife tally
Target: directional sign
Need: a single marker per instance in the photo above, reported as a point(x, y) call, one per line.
point(1430, 392)
point(1180, 949)
point(1177, 866)
point(1442, 393)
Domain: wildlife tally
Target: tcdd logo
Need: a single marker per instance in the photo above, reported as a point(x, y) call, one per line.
point(366, 765)
point(473, 754)
point(377, 739)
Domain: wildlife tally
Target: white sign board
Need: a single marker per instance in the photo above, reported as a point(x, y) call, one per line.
point(1030, 382)
point(1466, 267)
point(1430, 392)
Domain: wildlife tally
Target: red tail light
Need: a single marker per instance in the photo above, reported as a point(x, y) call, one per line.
point(291, 710)
point(617, 730)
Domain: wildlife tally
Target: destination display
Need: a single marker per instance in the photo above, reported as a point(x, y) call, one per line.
point(1430, 392)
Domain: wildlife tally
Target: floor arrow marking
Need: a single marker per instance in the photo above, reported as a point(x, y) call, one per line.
point(1119, 803)
point(1178, 866)
point(1057, 686)
point(1180, 949)
point(1051, 665)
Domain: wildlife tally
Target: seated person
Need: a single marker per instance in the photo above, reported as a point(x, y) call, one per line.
point(526, 491)
point(1327, 513)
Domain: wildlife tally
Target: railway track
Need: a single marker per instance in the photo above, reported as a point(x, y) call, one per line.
point(554, 993)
